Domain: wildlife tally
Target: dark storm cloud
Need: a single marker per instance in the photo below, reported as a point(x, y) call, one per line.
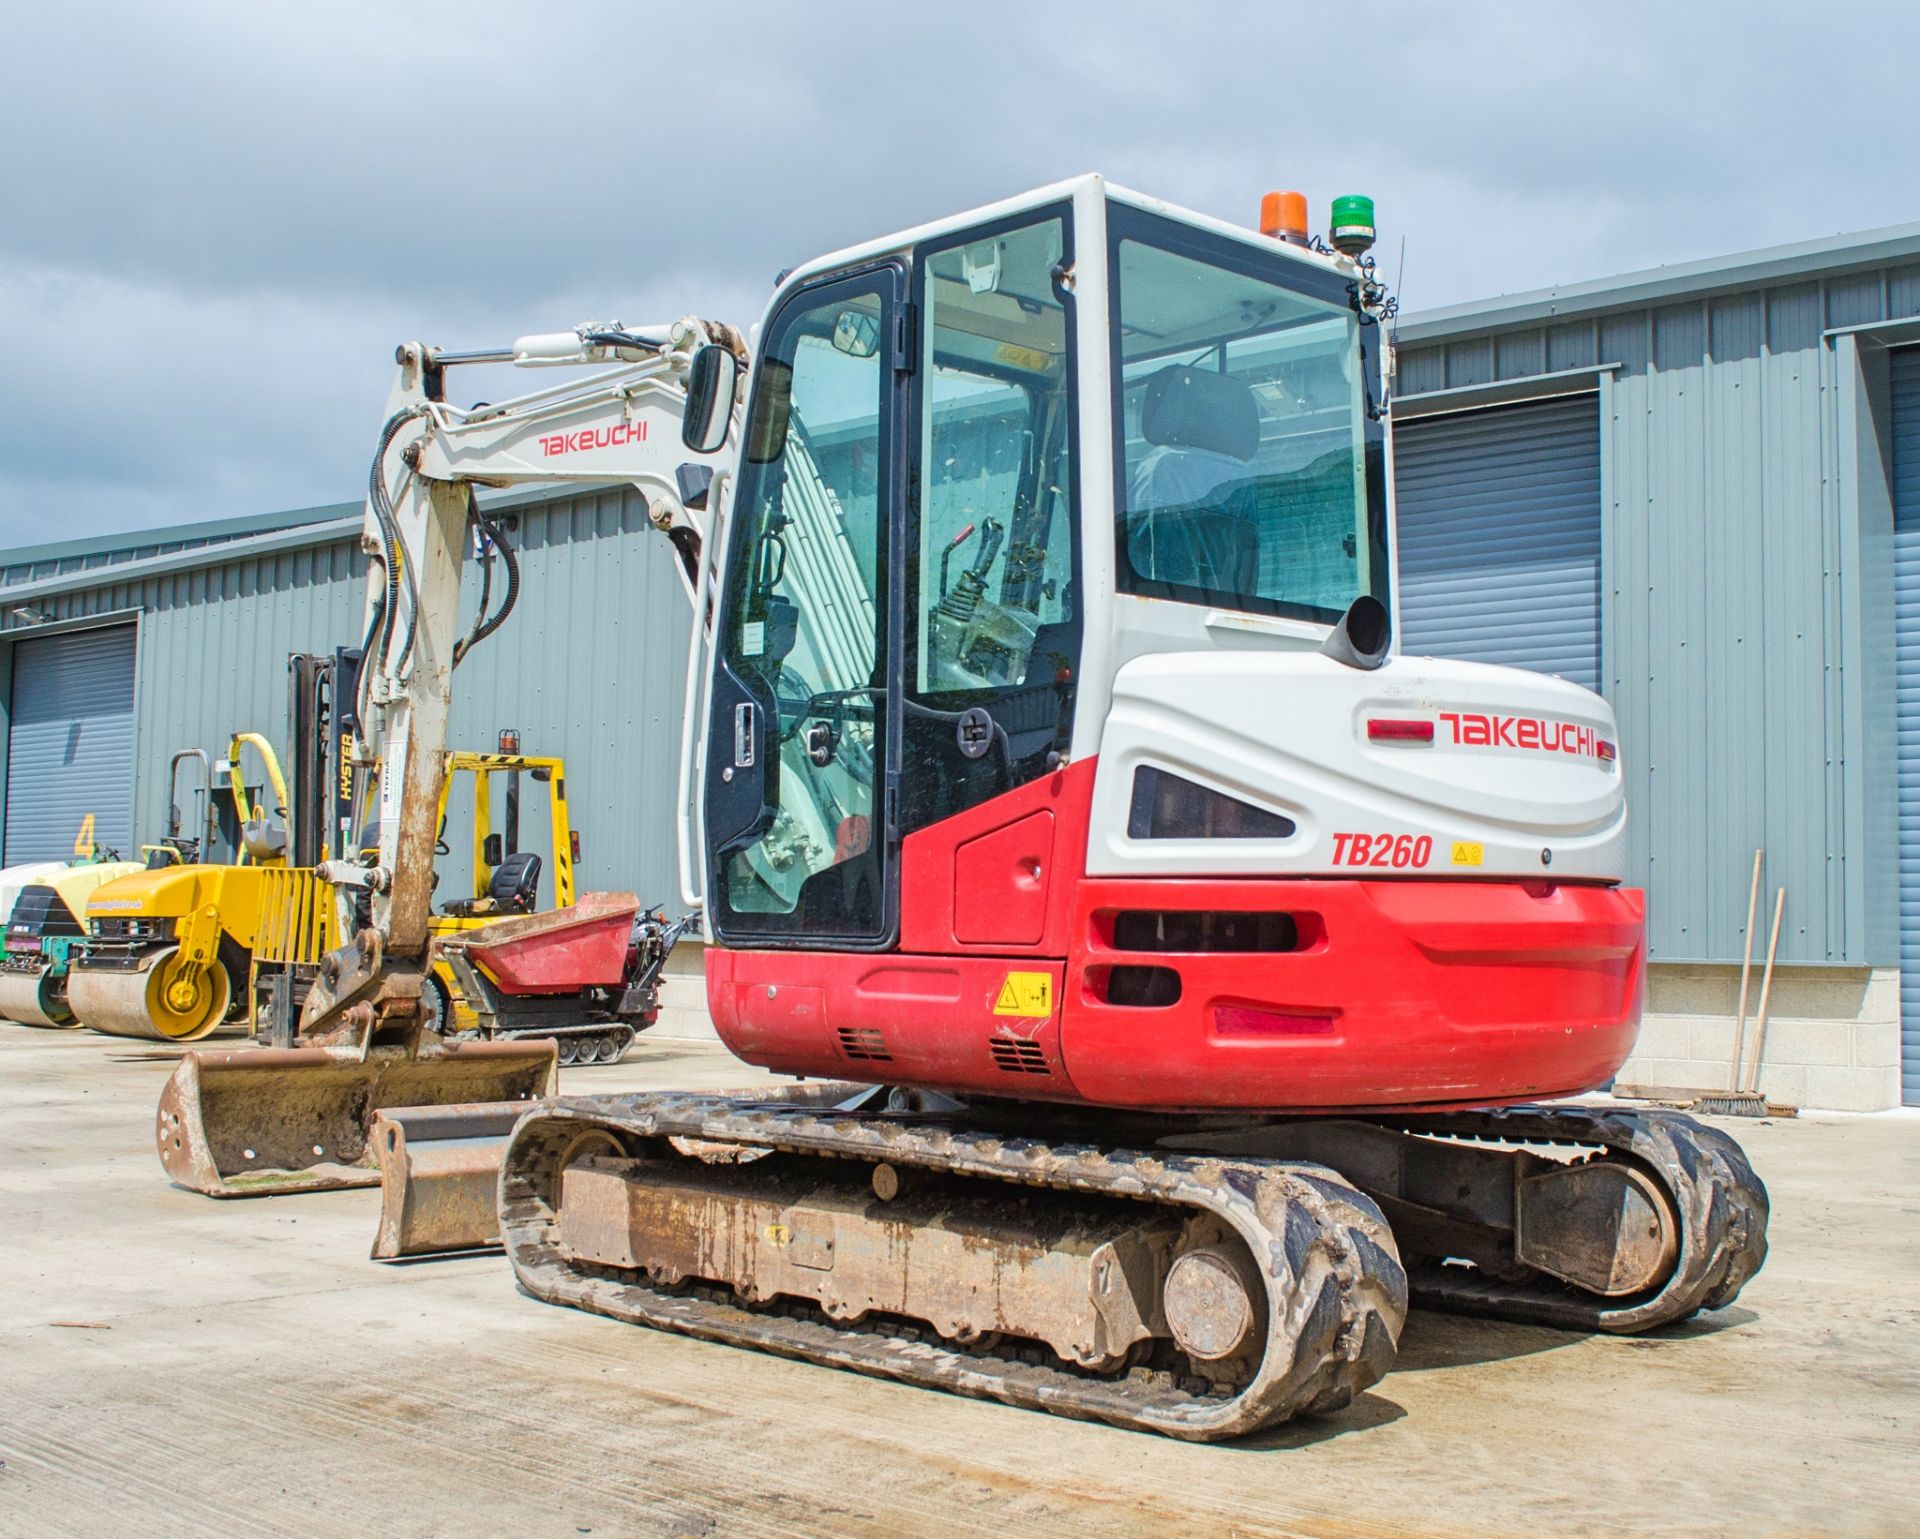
point(218, 218)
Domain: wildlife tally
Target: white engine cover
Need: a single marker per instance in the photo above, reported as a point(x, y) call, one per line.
point(1520, 779)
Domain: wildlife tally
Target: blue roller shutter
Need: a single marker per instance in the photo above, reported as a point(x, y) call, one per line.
point(1499, 523)
point(70, 743)
point(1906, 629)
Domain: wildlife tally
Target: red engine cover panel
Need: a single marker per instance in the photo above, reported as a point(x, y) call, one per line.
point(1000, 883)
point(1397, 994)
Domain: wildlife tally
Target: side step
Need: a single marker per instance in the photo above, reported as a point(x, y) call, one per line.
point(258, 1122)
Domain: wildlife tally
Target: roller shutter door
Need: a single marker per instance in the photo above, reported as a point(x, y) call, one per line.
point(1499, 523)
point(1906, 629)
point(70, 743)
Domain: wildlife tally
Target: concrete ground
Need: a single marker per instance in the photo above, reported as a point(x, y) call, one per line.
point(174, 1366)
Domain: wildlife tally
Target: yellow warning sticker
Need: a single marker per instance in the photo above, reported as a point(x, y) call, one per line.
point(778, 1235)
point(1465, 854)
point(1028, 358)
point(1026, 994)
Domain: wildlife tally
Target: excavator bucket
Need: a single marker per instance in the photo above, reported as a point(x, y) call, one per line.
point(267, 1121)
point(439, 1175)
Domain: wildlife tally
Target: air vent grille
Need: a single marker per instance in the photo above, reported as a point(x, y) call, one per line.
point(1017, 1055)
point(863, 1042)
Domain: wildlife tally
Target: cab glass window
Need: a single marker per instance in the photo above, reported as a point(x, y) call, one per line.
point(1243, 414)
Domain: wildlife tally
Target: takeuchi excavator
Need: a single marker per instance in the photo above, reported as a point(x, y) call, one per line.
point(1191, 977)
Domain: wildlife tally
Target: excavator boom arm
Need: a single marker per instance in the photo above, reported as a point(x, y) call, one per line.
point(618, 424)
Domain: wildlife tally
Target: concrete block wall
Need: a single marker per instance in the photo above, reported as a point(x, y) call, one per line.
point(1833, 1034)
point(683, 996)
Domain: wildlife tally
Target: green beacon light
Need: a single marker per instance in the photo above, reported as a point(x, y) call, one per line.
point(1353, 225)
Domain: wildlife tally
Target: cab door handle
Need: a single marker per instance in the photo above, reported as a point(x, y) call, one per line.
point(744, 736)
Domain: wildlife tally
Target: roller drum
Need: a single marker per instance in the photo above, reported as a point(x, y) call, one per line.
point(135, 1002)
point(34, 998)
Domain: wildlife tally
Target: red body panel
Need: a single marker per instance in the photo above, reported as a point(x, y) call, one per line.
point(964, 869)
point(1392, 993)
point(1415, 992)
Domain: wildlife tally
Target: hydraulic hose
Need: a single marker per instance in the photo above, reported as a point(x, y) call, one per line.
point(398, 570)
point(484, 624)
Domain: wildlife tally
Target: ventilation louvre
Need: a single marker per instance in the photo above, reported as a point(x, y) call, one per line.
point(864, 1042)
point(1017, 1055)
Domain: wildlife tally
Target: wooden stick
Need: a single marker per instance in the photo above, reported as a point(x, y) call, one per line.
point(1746, 969)
point(1752, 1080)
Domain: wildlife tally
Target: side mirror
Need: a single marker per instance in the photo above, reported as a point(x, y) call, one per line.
point(856, 333)
point(713, 380)
point(493, 849)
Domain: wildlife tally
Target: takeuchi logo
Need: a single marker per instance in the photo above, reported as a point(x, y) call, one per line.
point(593, 438)
point(1532, 732)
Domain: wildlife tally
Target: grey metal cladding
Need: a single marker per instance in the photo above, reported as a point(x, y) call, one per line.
point(1904, 369)
point(1726, 589)
point(591, 666)
point(1499, 528)
point(70, 743)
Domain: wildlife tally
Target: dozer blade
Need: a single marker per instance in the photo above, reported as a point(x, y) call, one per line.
point(31, 999)
point(439, 1177)
point(267, 1121)
point(134, 1002)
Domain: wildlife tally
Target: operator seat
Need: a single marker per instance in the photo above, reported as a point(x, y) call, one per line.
point(513, 890)
point(1205, 429)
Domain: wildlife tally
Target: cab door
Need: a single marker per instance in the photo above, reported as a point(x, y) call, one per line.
point(802, 735)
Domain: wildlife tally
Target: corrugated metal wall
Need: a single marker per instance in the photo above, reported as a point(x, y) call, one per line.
point(1905, 391)
point(1722, 633)
point(1499, 526)
point(591, 666)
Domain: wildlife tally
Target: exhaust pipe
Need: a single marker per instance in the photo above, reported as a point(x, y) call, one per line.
point(1362, 637)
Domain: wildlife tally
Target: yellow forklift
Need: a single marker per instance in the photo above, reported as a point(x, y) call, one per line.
point(498, 873)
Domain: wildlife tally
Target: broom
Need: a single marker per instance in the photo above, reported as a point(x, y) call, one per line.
point(1739, 1101)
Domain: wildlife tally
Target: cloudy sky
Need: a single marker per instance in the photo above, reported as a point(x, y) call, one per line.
point(216, 219)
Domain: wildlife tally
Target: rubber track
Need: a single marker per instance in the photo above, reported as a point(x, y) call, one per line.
point(1721, 1203)
point(1337, 1294)
point(591, 1033)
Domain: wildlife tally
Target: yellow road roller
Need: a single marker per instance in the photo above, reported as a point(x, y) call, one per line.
point(44, 929)
point(168, 949)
